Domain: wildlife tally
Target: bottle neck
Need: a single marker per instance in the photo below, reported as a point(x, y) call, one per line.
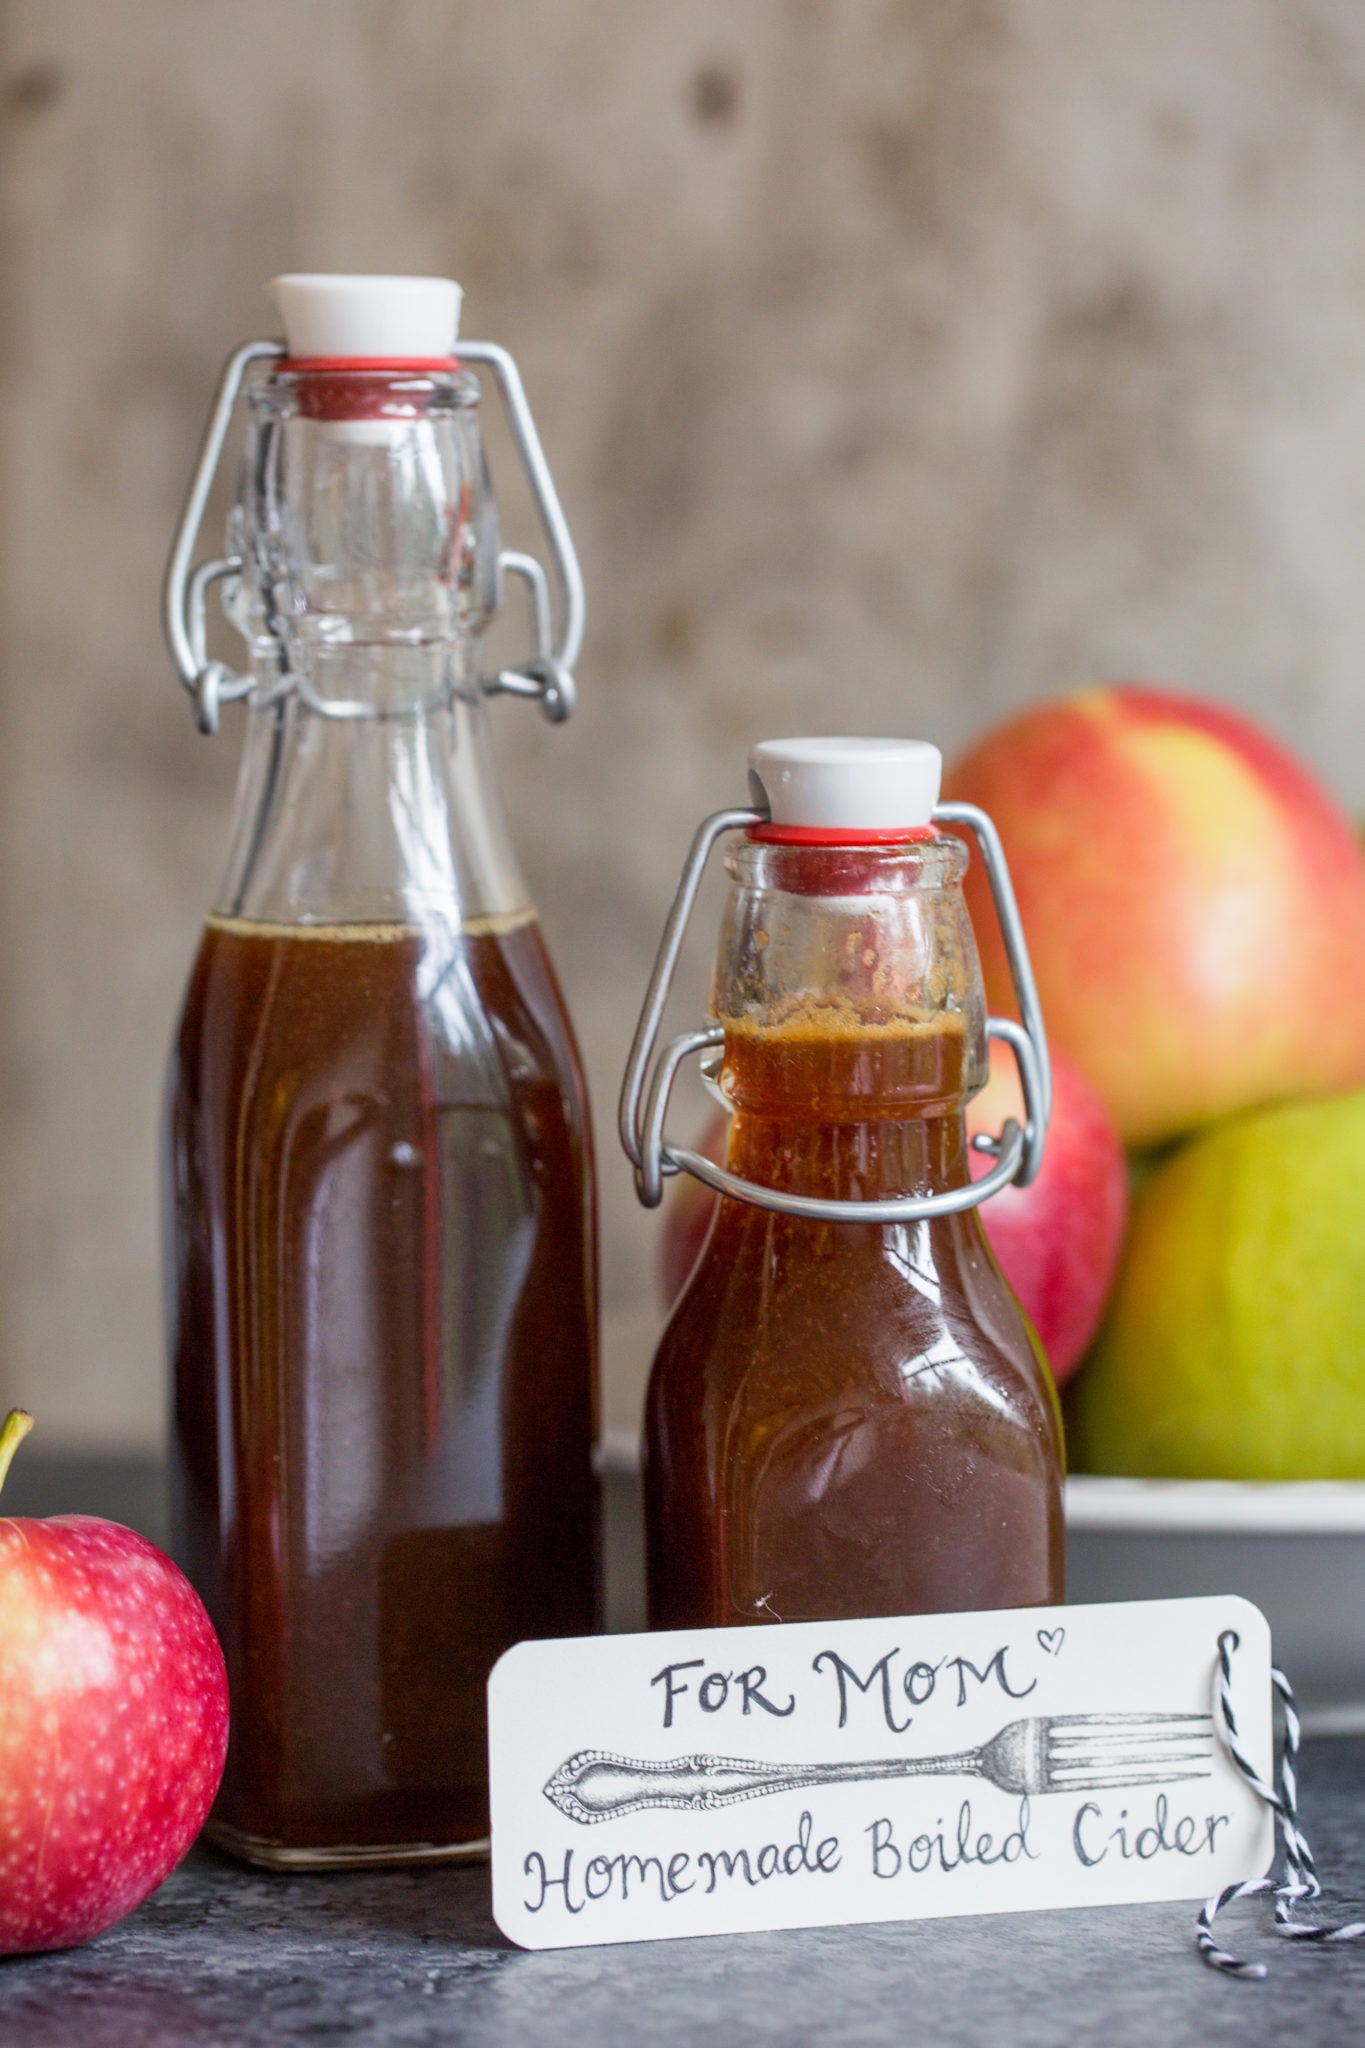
point(852, 1160)
point(368, 532)
point(390, 815)
point(826, 1104)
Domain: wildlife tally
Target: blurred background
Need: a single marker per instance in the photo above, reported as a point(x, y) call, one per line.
point(898, 363)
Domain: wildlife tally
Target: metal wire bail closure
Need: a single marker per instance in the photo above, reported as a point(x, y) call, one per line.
point(546, 676)
point(1018, 1153)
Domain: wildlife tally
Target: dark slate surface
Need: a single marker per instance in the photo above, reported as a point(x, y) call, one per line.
point(227, 1956)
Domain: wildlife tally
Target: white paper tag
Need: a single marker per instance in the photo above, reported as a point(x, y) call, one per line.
point(819, 1774)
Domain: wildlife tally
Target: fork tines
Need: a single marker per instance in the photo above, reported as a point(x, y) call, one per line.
point(1092, 1752)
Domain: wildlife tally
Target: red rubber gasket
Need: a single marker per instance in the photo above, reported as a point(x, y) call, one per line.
point(834, 835)
point(359, 387)
point(374, 366)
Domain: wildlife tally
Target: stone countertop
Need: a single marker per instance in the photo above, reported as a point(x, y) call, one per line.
point(225, 1955)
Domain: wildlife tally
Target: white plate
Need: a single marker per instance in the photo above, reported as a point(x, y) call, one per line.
point(1297, 1548)
point(1226, 1507)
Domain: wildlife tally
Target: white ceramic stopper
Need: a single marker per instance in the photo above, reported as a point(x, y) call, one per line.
point(368, 316)
point(847, 785)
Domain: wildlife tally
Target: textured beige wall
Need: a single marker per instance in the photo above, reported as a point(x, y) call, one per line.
point(899, 362)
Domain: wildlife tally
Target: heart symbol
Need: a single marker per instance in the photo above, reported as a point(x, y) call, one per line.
point(1051, 1639)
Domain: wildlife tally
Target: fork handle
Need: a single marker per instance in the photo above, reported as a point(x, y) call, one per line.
point(596, 1785)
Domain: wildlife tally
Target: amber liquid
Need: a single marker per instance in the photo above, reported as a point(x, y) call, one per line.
point(848, 1419)
point(382, 1260)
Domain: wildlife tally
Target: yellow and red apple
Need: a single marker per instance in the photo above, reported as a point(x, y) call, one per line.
point(1194, 903)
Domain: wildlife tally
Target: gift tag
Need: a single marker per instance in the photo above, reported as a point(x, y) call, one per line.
point(819, 1774)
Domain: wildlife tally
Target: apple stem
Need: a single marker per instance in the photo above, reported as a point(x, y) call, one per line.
point(16, 1427)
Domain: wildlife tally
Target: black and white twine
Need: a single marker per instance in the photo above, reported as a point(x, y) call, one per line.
point(1300, 1879)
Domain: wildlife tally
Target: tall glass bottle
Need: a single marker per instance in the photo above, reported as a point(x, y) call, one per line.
point(848, 1413)
point(379, 1199)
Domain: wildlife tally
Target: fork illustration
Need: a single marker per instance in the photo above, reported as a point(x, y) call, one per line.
point(1058, 1753)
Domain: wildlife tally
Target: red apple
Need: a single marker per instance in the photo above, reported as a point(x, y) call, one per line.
point(113, 1722)
point(1194, 903)
point(1058, 1241)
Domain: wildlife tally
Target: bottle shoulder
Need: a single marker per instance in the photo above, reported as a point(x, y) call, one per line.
point(369, 820)
point(780, 1317)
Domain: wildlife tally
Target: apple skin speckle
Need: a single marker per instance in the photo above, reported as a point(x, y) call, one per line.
point(113, 1726)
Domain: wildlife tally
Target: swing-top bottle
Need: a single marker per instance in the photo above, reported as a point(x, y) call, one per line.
point(848, 1413)
point(379, 1209)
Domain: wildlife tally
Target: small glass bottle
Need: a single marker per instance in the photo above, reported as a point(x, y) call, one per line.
point(379, 1198)
point(848, 1413)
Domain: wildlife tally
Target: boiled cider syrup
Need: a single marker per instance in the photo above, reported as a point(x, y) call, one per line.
point(381, 1288)
point(848, 1418)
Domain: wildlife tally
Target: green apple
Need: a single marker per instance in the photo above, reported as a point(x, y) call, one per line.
point(1235, 1346)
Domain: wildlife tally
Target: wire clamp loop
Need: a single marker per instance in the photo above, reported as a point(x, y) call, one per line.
point(650, 1074)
